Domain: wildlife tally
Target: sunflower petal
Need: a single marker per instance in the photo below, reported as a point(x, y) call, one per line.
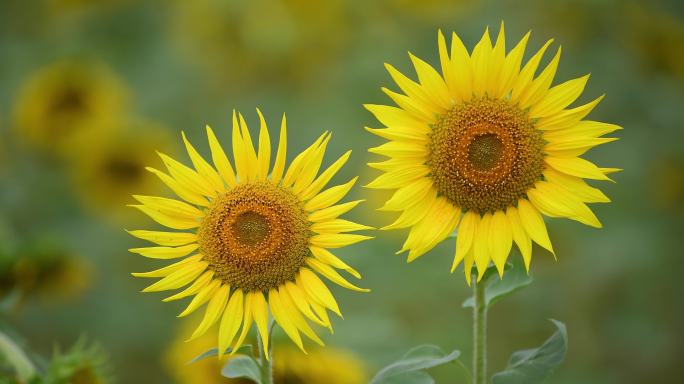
point(279, 164)
point(465, 236)
point(500, 240)
point(203, 168)
point(215, 308)
point(534, 225)
point(522, 239)
point(231, 321)
point(165, 252)
point(178, 278)
point(332, 212)
point(330, 196)
point(201, 297)
point(170, 239)
point(219, 158)
point(317, 290)
point(332, 275)
point(264, 155)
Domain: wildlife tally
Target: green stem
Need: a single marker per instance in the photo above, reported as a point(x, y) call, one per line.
point(266, 364)
point(479, 334)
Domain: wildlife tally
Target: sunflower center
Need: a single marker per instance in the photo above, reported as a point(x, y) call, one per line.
point(251, 228)
point(255, 237)
point(485, 154)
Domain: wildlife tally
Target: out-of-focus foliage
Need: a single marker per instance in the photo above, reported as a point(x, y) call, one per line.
point(90, 89)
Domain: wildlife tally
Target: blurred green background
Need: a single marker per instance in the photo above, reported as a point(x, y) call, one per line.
point(89, 89)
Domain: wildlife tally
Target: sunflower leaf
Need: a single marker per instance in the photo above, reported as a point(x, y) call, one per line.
point(514, 278)
point(532, 366)
point(409, 369)
point(245, 349)
point(242, 366)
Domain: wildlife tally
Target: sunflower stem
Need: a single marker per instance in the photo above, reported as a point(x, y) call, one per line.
point(479, 334)
point(265, 362)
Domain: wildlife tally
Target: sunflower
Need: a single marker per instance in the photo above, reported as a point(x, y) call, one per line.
point(329, 365)
point(105, 167)
point(486, 148)
point(257, 240)
point(65, 99)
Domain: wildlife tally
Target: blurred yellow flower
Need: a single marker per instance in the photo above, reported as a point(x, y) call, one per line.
point(230, 40)
point(66, 99)
point(485, 148)
point(259, 236)
point(322, 365)
point(44, 271)
point(105, 167)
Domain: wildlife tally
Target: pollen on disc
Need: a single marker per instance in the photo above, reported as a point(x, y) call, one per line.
point(485, 154)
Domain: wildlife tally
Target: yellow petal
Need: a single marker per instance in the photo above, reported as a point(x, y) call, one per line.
point(432, 82)
point(230, 322)
point(195, 287)
point(264, 156)
point(585, 129)
point(559, 97)
point(179, 189)
point(411, 88)
point(219, 158)
point(526, 75)
point(310, 167)
point(338, 226)
point(576, 186)
point(327, 257)
point(170, 239)
point(168, 221)
point(330, 196)
point(337, 240)
point(187, 178)
point(315, 288)
point(170, 207)
point(399, 178)
point(481, 64)
point(165, 271)
point(511, 68)
point(461, 86)
point(500, 240)
point(324, 178)
point(295, 168)
point(540, 86)
point(497, 61)
point(417, 108)
point(547, 195)
point(575, 147)
point(408, 195)
point(464, 237)
point(332, 275)
point(246, 326)
point(201, 297)
point(260, 316)
point(414, 213)
point(203, 168)
point(300, 299)
point(165, 252)
point(242, 166)
point(534, 225)
point(248, 149)
point(179, 278)
point(290, 310)
point(401, 149)
point(279, 164)
point(481, 250)
point(395, 117)
point(575, 166)
point(567, 118)
point(407, 134)
point(215, 308)
point(522, 239)
point(280, 316)
point(438, 223)
point(332, 212)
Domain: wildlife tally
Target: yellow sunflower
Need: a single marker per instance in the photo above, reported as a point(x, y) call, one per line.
point(257, 238)
point(485, 149)
point(66, 99)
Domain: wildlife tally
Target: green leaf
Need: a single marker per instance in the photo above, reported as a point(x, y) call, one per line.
point(244, 349)
point(417, 359)
point(515, 277)
point(532, 366)
point(242, 366)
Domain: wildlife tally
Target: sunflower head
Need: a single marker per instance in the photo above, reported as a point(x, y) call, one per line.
point(485, 148)
point(66, 99)
point(252, 238)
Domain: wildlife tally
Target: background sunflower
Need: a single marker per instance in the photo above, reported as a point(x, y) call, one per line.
point(618, 289)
